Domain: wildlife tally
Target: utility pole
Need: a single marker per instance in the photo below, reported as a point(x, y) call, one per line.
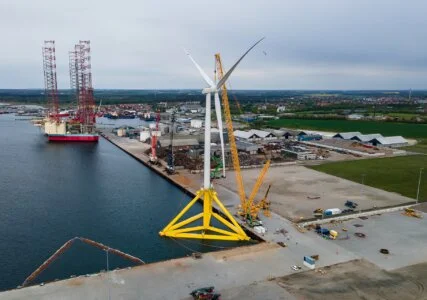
point(419, 183)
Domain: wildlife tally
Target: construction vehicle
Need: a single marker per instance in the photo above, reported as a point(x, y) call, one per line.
point(410, 212)
point(351, 204)
point(215, 174)
point(153, 155)
point(206, 293)
point(247, 209)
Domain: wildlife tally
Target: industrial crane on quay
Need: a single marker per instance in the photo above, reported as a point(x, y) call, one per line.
point(154, 134)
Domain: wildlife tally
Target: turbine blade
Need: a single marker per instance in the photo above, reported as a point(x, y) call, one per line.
point(205, 77)
point(224, 79)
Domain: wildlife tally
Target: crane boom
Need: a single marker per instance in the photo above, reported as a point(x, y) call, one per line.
point(256, 187)
point(231, 138)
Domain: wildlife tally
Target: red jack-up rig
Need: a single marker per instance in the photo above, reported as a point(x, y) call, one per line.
point(57, 126)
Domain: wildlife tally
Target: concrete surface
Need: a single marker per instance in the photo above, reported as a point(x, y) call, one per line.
point(405, 237)
point(292, 185)
point(175, 279)
point(357, 280)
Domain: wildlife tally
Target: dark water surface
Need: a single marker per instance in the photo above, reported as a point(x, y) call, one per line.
point(50, 193)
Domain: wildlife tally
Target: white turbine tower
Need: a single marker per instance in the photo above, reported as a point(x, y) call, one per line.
point(214, 88)
point(232, 231)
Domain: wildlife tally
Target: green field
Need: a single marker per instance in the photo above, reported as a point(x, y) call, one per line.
point(396, 174)
point(420, 147)
point(408, 130)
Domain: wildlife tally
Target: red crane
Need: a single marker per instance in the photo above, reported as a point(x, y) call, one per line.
point(153, 155)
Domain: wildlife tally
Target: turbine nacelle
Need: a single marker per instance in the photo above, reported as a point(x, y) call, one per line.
point(210, 90)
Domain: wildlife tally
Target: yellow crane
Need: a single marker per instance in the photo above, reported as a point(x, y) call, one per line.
point(231, 138)
point(247, 206)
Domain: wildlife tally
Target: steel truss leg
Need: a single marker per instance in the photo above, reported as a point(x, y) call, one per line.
point(233, 232)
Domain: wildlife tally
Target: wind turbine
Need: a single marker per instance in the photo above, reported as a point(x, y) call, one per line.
point(234, 232)
point(214, 88)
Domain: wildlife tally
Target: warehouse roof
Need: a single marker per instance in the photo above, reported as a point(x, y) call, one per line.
point(366, 137)
point(262, 133)
point(246, 146)
point(245, 134)
point(179, 142)
point(390, 140)
point(293, 132)
point(347, 135)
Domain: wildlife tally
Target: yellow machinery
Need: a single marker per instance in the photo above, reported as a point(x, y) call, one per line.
point(205, 230)
point(231, 138)
point(410, 212)
point(264, 204)
point(247, 206)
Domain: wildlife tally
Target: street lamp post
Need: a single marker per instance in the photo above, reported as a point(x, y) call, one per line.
point(361, 189)
point(108, 268)
point(419, 184)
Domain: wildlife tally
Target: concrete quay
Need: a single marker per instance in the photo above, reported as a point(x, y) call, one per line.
point(247, 272)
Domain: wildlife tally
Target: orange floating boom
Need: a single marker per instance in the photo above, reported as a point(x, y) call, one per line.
point(67, 245)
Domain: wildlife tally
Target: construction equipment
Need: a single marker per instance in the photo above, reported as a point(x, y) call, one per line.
point(231, 138)
point(215, 174)
point(410, 212)
point(247, 210)
point(253, 208)
point(153, 154)
point(206, 293)
point(265, 203)
point(233, 231)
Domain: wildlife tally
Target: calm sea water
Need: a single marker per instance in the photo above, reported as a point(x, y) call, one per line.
point(50, 193)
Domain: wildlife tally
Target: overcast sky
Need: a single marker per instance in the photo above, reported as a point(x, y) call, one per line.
point(137, 44)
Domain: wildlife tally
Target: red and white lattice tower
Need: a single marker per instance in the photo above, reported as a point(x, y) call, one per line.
point(72, 56)
point(50, 81)
point(86, 107)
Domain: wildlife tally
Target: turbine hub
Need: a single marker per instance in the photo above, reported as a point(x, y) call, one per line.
point(208, 90)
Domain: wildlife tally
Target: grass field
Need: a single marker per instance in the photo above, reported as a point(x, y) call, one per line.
point(420, 147)
point(385, 128)
point(396, 174)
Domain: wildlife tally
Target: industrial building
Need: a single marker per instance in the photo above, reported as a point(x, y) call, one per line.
point(247, 147)
point(366, 138)
point(390, 141)
point(298, 152)
point(346, 135)
point(374, 139)
point(254, 135)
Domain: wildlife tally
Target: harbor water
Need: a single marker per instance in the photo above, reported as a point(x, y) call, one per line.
point(52, 192)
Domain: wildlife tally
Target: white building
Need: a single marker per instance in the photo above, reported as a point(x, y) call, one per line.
point(390, 141)
point(144, 136)
point(355, 117)
point(281, 109)
point(196, 123)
